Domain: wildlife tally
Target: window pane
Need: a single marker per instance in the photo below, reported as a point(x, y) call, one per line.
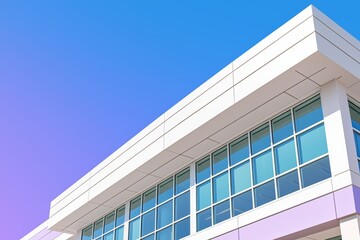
point(239, 150)
point(182, 181)
point(357, 143)
point(164, 214)
point(355, 116)
point(134, 229)
point(312, 144)
point(120, 216)
point(203, 169)
point(135, 207)
point(203, 219)
point(203, 195)
point(240, 177)
point(150, 237)
point(242, 203)
point(119, 233)
point(149, 199)
point(98, 227)
point(109, 236)
point(262, 167)
point(221, 212)
point(221, 187)
point(148, 223)
point(165, 190)
point(220, 160)
point(260, 138)
point(285, 156)
point(308, 113)
point(288, 183)
point(264, 193)
point(109, 222)
point(182, 229)
point(315, 172)
point(87, 233)
point(282, 127)
point(182, 206)
point(165, 234)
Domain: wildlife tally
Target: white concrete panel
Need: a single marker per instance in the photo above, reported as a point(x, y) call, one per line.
point(201, 148)
point(64, 236)
point(144, 183)
point(159, 160)
point(341, 180)
point(354, 92)
point(89, 217)
point(119, 199)
point(350, 227)
point(303, 88)
point(172, 166)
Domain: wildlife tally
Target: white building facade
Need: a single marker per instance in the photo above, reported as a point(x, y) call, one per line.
point(268, 148)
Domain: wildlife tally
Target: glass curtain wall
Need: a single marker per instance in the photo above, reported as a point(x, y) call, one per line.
point(355, 120)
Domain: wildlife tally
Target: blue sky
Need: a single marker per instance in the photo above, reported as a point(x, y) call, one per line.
point(80, 78)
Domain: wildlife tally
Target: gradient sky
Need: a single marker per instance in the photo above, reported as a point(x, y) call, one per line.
point(80, 78)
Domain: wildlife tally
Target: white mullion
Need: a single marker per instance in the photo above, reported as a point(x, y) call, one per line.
point(193, 199)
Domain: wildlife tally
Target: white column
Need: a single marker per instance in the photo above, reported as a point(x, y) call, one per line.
point(339, 134)
point(126, 220)
point(192, 199)
point(350, 227)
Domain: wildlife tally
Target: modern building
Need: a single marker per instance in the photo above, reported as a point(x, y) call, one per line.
point(268, 148)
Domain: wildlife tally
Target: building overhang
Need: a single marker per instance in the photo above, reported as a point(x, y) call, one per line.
point(287, 66)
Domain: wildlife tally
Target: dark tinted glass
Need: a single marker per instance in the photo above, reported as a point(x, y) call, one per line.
point(264, 193)
point(288, 183)
point(315, 172)
point(308, 113)
point(239, 150)
point(242, 203)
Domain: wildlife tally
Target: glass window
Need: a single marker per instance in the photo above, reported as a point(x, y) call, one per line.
point(221, 212)
point(182, 180)
point(264, 193)
point(119, 233)
point(165, 190)
point(148, 223)
point(220, 160)
point(260, 138)
point(288, 183)
point(262, 167)
point(282, 127)
point(203, 219)
point(134, 229)
point(109, 236)
point(87, 233)
point(120, 216)
point(182, 205)
point(150, 237)
point(109, 222)
point(315, 172)
point(203, 169)
point(135, 207)
point(285, 156)
point(357, 143)
point(98, 228)
point(221, 187)
point(240, 177)
point(182, 229)
point(239, 150)
point(312, 144)
point(242, 203)
point(355, 116)
point(308, 113)
point(164, 214)
point(165, 234)
point(149, 199)
point(203, 195)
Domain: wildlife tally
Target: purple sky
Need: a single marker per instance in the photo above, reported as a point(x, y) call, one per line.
point(80, 78)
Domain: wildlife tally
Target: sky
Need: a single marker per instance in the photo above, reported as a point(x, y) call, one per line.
point(78, 79)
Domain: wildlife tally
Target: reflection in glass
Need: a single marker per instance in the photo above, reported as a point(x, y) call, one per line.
point(285, 156)
point(164, 214)
point(239, 150)
point(165, 190)
point(148, 223)
point(221, 212)
point(242, 203)
point(182, 206)
point(182, 180)
point(288, 183)
point(120, 216)
point(240, 177)
point(134, 229)
point(264, 193)
point(308, 113)
point(87, 233)
point(315, 172)
point(220, 160)
point(355, 115)
point(109, 222)
point(165, 234)
point(262, 167)
point(203, 195)
point(149, 199)
point(221, 187)
point(98, 228)
point(260, 138)
point(202, 169)
point(203, 219)
point(135, 207)
point(282, 127)
point(119, 233)
point(182, 229)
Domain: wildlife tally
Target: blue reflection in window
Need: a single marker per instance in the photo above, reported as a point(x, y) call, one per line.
point(262, 167)
point(182, 205)
point(135, 207)
point(312, 144)
point(134, 229)
point(282, 127)
point(288, 183)
point(150, 237)
point(182, 181)
point(182, 229)
point(109, 222)
point(221, 211)
point(220, 160)
point(264, 193)
point(203, 195)
point(87, 233)
point(221, 187)
point(120, 216)
point(203, 169)
point(315, 172)
point(119, 233)
point(242, 203)
point(109, 236)
point(239, 150)
point(148, 223)
point(285, 156)
point(98, 228)
point(165, 190)
point(260, 138)
point(355, 115)
point(357, 143)
point(240, 177)
point(308, 113)
point(164, 214)
point(203, 219)
point(165, 234)
point(149, 199)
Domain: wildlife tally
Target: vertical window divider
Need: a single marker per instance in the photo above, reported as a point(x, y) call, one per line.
point(273, 158)
point(126, 220)
point(193, 198)
point(251, 172)
point(229, 179)
point(296, 149)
